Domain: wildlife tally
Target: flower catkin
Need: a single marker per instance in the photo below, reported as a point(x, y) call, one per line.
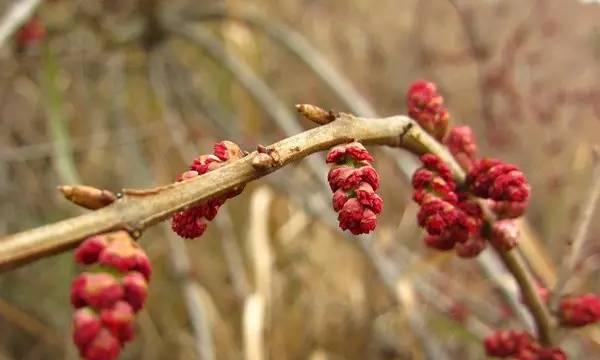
point(192, 222)
point(503, 184)
point(577, 311)
point(450, 219)
point(426, 106)
point(354, 181)
point(107, 299)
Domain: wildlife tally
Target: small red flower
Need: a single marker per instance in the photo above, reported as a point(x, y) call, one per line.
point(580, 310)
point(354, 182)
point(119, 320)
point(86, 325)
point(105, 346)
point(136, 289)
point(99, 290)
point(426, 106)
point(87, 253)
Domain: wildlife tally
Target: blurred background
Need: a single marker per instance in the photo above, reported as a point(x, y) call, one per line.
point(124, 93)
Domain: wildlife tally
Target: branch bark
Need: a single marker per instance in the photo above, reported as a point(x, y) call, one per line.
point(137, 212)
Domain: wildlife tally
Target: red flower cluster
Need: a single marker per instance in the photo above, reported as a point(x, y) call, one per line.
point(354, 182)
point(461, 143)
point(519, 345)
point(106, 301)
point(503, 184)
point(450, 219)
point(191, 223)
point(426, 106)
point(580, 310)
point(30, 34)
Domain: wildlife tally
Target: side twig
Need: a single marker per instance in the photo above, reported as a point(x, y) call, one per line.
point(576, 242)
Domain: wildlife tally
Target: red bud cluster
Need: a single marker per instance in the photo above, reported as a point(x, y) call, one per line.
point(503, 184)
point(191, 223)
point(107, 299)
point(579, 311)
point(519, 345)
point(450, 219)
point(354, 182)
point(426, 107)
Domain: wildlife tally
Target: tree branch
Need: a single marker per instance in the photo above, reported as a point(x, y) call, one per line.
point(136, 212)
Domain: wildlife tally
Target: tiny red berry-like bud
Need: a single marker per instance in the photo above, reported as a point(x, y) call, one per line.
point(472, 247)
point(367, 197)
point(136, 290)
point(86, 325)
point(119, 320)
point(461, 143)
point(440, 242)
point(105, 346)
point(579, 311)
point(99, 290)
point(505, 234)
point(426, 106)
point(339, 199)
point(124, 254)
point(506, 343)
point(87, 253)
point(354, 151)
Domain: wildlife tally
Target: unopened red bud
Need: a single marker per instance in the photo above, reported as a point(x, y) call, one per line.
point(86, 325)
point(136, 290)
point(105, 346)
point(99, 290)
point(505, 234)
point(367, 197)
point(119, 320)
point(88, 252)
point(124, 254)
point(470, 248)
point(339, 199)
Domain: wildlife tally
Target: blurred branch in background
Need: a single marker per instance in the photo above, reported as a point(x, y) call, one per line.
point(576, 242)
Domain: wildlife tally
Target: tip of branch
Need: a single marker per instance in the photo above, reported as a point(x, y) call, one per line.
point(316, 114)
